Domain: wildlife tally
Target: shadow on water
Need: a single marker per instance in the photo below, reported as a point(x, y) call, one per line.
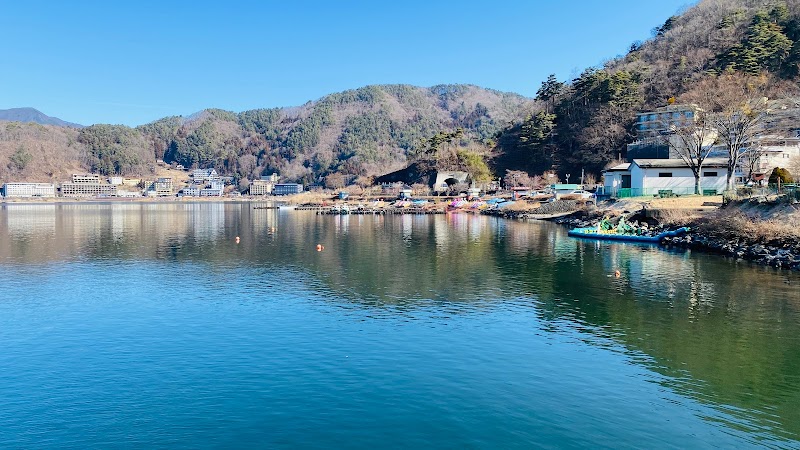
point(724, 333)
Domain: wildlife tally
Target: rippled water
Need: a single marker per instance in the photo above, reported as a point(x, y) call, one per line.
point(147, 325)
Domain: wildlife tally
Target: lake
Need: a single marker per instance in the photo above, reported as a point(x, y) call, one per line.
point(147, 325)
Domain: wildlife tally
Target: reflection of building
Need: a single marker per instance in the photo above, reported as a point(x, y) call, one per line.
point(29, 190)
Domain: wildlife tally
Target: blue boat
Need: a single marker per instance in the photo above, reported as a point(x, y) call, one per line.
point(593, 233)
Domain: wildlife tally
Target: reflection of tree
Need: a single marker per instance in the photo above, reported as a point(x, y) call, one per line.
point(731, 342)
point(733, 339)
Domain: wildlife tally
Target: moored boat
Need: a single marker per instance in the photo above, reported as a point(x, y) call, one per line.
point(594, 233)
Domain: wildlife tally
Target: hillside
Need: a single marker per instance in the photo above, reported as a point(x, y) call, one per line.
point(357, 133)
point(572, 126)
point(34, 116)
point(34, 152)
point(585, 123)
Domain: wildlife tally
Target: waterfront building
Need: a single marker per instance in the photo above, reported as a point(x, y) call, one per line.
point(663, 177)
point(261, 187)
point(116, 181)
point(29, 190)
point(210, 192)
point(287, 188)
point(85, 189)
point(163, 187)
point(192, 190)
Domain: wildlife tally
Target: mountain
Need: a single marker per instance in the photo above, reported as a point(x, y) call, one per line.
point(572, 126)
point(585, 123)
point(356, 133)
point(34, 116)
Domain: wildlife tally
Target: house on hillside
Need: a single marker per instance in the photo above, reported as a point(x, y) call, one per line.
point(770, 152)
point(663, 177)
point(204, 175)
point(654, 127)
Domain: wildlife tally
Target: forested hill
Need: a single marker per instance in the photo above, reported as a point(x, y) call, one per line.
point(585, 123)
point(362, 132)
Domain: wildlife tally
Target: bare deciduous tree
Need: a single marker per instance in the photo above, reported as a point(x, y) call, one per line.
point(692, 141)
point(517, 178)
point(736, 105)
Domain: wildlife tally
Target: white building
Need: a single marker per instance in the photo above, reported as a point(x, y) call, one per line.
point(29, 190)
point(204, 175)
point(192, 190)
point(665, 177)
point(772, 152)
point(261, 187)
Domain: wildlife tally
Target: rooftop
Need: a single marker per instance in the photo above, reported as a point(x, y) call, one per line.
point(677, 163)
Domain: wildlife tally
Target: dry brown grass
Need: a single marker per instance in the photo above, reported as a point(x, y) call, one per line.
point(521, 206)
point(677, 216)
point(738, 225)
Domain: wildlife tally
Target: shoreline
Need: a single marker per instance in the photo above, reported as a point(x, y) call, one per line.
point(725, 231)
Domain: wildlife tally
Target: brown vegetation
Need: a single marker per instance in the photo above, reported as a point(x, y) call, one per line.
point(54, 152)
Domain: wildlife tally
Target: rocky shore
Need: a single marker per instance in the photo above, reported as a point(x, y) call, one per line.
point(780, 254)
point(763, 233)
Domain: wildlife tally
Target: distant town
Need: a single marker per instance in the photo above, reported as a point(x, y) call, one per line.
point(201, 183)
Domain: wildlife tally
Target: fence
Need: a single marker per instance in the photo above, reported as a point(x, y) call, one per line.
point(659, 192)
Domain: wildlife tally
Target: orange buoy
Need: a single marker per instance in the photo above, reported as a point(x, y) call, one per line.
point(616, 273)
point(320, 247)
point(237, 239)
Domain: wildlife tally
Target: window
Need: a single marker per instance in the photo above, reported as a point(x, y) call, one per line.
point(709, 174)
point(664, 174)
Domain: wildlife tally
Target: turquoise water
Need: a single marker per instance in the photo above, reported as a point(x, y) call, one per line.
point(141, 325)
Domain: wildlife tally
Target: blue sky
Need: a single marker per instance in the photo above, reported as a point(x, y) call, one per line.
point(134, 62)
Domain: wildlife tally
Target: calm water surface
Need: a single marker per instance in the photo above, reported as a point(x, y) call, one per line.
point(133, 325)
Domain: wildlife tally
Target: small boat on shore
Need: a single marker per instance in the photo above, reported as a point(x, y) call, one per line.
point(594, 233)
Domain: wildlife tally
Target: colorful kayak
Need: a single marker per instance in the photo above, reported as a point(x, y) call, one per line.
point(593, 233)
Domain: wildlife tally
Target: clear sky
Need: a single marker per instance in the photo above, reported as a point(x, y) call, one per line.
point(134, 62)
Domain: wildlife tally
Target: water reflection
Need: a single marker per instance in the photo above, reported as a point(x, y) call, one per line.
point(724, 333)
